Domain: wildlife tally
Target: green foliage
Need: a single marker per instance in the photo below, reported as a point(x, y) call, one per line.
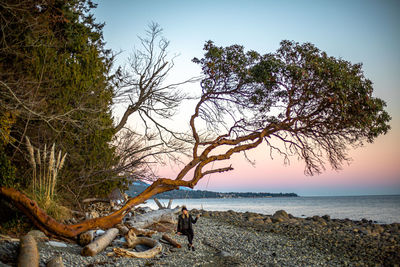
point(311, 102)
point(52, 58)
point(7, 171)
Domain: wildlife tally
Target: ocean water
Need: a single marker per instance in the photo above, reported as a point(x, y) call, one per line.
point(382, 209)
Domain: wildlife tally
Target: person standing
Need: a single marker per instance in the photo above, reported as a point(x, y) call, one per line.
point(185, 226)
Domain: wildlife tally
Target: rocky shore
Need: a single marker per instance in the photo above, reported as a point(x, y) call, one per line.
point(248, 239)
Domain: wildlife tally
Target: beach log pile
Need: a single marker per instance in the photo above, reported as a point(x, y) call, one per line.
point(130, 229)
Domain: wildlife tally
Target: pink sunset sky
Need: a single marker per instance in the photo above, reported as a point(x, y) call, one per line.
point(358, 31)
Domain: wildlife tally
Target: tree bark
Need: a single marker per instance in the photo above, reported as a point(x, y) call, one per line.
point(86, 238)
point(155, 249)
point(171, 241)
point(28, 255)
point(100, 243)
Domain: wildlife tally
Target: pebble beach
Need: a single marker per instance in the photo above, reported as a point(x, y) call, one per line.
point(248, 239)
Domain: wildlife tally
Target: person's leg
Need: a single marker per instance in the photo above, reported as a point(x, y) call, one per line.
point(190, 238)
point(186, 233)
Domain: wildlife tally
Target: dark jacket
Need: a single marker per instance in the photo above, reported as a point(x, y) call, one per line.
point(185, 223)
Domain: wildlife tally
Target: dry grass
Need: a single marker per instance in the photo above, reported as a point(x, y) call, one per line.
point(45, 169)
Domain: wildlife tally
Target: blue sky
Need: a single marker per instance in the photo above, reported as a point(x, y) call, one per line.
point(358, 31)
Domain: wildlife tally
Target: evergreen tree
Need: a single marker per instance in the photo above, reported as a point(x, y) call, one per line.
point(54, 88)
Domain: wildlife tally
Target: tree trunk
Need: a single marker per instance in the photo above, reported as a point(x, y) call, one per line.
point(28, 254)
point(51, 227)
point(100, 243)
point(160, 206)
point(171, 241)
point(150, 253)
point(147, 219)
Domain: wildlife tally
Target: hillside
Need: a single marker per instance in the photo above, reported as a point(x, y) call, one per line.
point(139, 187)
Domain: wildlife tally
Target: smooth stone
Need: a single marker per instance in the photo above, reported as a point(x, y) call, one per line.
point(57, 244)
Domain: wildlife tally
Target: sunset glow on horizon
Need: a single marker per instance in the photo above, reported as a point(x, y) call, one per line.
point(358, 31)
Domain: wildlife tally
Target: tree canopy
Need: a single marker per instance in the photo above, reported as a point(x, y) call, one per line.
point(314, 105)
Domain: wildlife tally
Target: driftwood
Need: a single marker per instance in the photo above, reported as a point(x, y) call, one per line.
point(169, 204)
point(144, 232)
point(171, 241)
point(160, 206)
point(56, 261)
point(160, 227)
point(28, 254)
point(123, 230)
point(147, 219)
point(100, 243)
point(86, 238)
point(150, 253)
point(130, 238)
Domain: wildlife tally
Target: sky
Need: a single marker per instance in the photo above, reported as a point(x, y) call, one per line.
point(359, 31)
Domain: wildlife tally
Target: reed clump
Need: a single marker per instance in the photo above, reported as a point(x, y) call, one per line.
point(46, 165)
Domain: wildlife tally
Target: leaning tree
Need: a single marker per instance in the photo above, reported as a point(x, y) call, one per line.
point(298, 100)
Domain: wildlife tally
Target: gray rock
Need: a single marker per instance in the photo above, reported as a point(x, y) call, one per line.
point(38, 235)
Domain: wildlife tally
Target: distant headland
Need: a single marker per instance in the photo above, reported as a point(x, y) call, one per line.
point(139, 186)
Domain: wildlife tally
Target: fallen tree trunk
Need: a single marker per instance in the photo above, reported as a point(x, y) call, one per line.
point(28, 254)
point(150, 253)
point(100, 243)
point(51, 227)
point(171, 241)
point(147, 219)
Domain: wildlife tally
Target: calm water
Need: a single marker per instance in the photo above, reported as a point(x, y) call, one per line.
point(383, 209)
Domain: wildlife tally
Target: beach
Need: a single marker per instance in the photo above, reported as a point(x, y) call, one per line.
point(250, 239)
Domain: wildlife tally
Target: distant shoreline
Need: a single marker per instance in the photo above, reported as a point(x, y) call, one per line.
point(139, 187)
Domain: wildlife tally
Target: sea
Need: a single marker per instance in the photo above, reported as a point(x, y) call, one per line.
point(380, 209)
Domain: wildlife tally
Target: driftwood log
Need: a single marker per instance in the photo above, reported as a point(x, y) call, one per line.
point(169, 204)
point(123, 230)
point(155, 248)
point(56, 261)
point(100, 243)
point(147, 219)
point(160, 206)
point(28, 254)
point(171, 241)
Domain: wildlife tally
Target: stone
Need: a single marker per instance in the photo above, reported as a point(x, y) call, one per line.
point(57, 244)
point(267, 220)
point(38, 235)
point(280, 216)
point(94, 214)
point(326, 218)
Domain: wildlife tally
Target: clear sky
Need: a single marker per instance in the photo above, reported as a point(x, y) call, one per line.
point(359, 31)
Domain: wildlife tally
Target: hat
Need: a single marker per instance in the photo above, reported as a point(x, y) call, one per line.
point(184, 208)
